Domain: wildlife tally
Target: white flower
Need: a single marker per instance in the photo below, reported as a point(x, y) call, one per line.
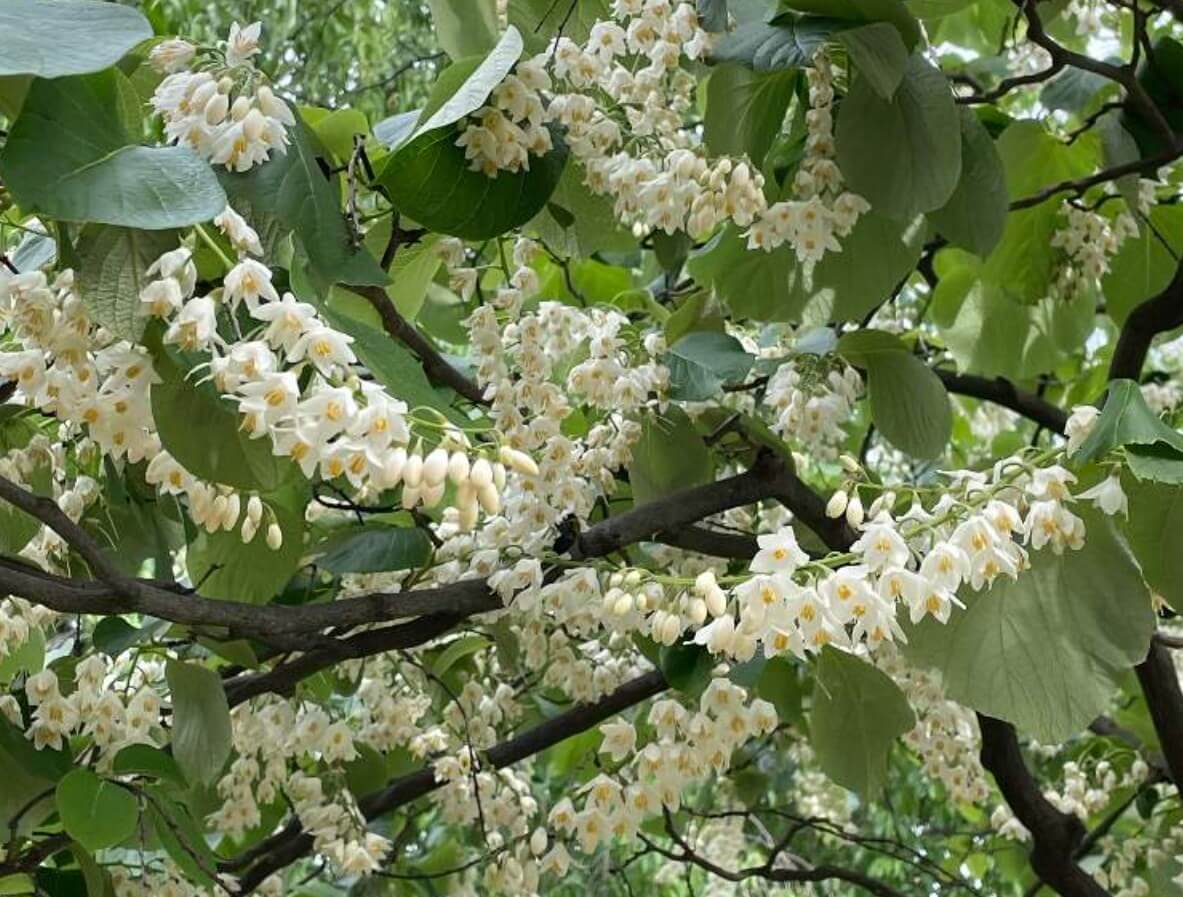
point(243, 43)
point(1080, 424)
point(196, 324)
point(620, 740)
point(249, 280)
point(1109, 496)
point(241, 235)
point(779, 553)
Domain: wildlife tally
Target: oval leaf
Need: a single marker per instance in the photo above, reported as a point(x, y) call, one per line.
point(94, 812)
point(202, 736)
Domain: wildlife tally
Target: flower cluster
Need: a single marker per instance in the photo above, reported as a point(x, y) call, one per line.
point(222, 111)
point(813, 402)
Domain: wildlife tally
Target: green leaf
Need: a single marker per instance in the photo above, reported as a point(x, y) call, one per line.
point(464, 27)
point(892, 11)
point(975, 215)
point(1156, 510)
point(588, 224)
point(857, 713)
point(28, 657)
point(471, 94)
point(702, 361)
point(540, 20)
point(782, 685)
point(1023, 262)
point(909, 403)
point(745, 110)
point(337, 129)
point(1126, 419)
point(145, 760)
point(668, 456)
point(879, 54)
point(292, 187)
point(94, 812)
point(96, 170)
point(456, 651)
point(111, 274)
point(225, 567)
point(903, 155)
point(181, 838)
point(373, 548)
point(766, 47)
point(838, 288)
point(430, 182)
point(201, 735)
point(753, 283)
point(1043, 651)
point(52, 38)
point(687, 668)
point(1145, 264)
point(203, 431)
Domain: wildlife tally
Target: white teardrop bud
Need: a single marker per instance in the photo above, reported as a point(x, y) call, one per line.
point(458, 467)
point(240, 108)
point(254, 509)
point(697, 611)
point(481, 473)
point(410, 497)
point(538, 841)
point(274, 537)
point(249, 528)
point(518, 462)
point(230, 515)
point(671, 628)
point(836, 506)
point(623, 605)
point(216, 109)
point(468, 514)
point(393, 466)
point(435, 467)
point(499, 476)
point(432, 494)
point(716, 601)
point(413, 471)
point(854, 511)
point(489, 498)
point(850, 463)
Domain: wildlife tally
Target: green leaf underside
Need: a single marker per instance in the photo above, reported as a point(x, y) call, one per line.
point(372, 549)
point(1043, 651)
point(201, 736)
point(668, 456)
point(95, 812)
point(52, 38)
point(97, 171)
point(858, 712)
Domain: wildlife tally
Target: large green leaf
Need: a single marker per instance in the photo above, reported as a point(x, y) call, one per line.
point(540, 20)
point(1023, 261)
point(1126, 420)
point(96, 171)
point(293, 188)
point(52, 38)
point(909, 404)
point(111, 274)
point(903, 154)
point(1156, 513)
point(480, 78)
point(1043, 651)
point(1145, 264)
point(753, 283)
point(767, 47)
point(857, 713)
point(225, 567)
point(975, 215)
point(839, 288)
point(745, 110)
point(670, 455)
point(373, 548)
point(879, 54)
point(577, 222)
point(702, 361)
point(892, 11)
point(201, 733)
point(95, 812)
point(464, 27)
point(430, 182)
point(202, 430)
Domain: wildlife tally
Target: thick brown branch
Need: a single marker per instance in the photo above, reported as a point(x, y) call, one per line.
point(437, 368)
point(1154, 316)
point(1002, 392)
point(1055, 836)
point(1160, 686)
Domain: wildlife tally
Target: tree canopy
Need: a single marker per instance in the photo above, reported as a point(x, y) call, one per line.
point(545, 447)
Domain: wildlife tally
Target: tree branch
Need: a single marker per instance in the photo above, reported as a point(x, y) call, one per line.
point(1002, 392)
point(437, 368)
point(1055, 836)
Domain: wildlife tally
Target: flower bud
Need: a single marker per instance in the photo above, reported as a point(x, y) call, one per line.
point(518, 462)
point(410, 496)
point(836, 506)
point(697, 611)
point(854, 511)
point(458, 468)
point(254, 509)
point(538, 841)
point(413, 471)
point(274, 537)
point(230, 515)
point(393, 466)
point(499, 476)
point(481, 473)
point(249, 529)
point(489, 498)
point(435, 467)
point(432, 493)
